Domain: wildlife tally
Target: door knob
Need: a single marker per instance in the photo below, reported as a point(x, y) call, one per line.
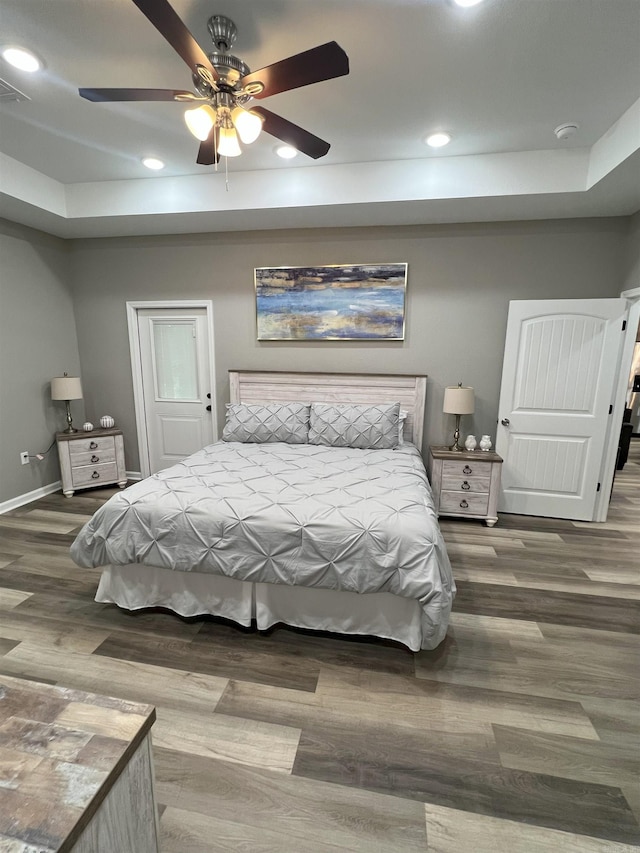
point(505, 422)
point(208, 408)
point(209, 396)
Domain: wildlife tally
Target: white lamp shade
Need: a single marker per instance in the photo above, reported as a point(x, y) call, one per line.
point(228, 145)
point(66, 388)
point(247, 123)
point(200, 121)
point(458, 401)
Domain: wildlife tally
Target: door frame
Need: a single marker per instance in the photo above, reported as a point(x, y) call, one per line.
point(607, 470)
point(136, 366)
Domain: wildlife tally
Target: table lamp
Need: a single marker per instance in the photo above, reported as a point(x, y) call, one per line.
point(458, 401)
point(66, 388)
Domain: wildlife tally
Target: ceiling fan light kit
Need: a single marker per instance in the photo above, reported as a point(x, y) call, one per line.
point(224, 84)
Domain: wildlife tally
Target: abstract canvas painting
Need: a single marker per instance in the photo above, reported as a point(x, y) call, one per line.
point(346, 302)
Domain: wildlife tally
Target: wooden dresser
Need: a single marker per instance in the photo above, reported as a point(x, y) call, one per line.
point(465, 484)
point(90, 459)
point(76, 771)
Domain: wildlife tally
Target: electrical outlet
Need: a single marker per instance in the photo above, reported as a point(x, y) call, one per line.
point(24, 457)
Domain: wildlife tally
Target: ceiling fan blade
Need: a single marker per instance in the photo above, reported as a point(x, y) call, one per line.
point(312, 66)
point(207, 151)
point(170, 26)
point(293, 135)
point(97, 95)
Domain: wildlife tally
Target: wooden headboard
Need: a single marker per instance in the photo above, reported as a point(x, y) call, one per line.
point(262, 386)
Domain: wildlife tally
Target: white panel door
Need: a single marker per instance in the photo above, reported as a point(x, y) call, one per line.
point(558, 375)
point(174, 357)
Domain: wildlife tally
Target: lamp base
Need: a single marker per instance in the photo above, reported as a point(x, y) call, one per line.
point(70, 430)
point(456, 437)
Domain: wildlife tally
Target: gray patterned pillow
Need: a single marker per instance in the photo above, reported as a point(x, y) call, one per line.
point(345, 425)
point(258, 424)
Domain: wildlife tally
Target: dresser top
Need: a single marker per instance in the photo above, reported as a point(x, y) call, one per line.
point(61, 750)
point(443, 452)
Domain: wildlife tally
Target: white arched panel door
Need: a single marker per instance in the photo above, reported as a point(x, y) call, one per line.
point(558, 377)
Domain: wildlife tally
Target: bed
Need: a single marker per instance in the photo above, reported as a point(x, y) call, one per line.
point(331, 529)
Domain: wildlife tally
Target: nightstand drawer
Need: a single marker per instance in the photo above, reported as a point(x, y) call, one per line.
point(464, 470)
point(93, 457)
point(468, 484)
point(81, 446)
point(94, 474)
point(471, 504)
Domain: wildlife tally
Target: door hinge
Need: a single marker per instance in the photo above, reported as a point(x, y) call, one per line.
point(611, 409)
point(624, 325)
point(598, 489)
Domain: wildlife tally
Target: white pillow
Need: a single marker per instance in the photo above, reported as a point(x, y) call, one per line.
point(402, 416)
point(350, 425)
point(259, 424)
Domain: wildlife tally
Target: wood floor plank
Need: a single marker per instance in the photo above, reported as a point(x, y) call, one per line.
point(188, 832)
point(10, 598)
point(213, 735)
point(567, 757)
point(588, 611)
point(454, 831)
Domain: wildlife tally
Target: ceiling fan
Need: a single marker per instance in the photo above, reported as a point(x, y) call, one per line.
point(224, 84)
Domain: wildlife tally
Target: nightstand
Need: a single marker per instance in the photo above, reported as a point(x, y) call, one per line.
point(90, 459)
point(465, 484)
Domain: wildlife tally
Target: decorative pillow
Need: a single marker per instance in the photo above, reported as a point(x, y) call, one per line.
point(402, 416)
point(258, 424)
point(345, 425)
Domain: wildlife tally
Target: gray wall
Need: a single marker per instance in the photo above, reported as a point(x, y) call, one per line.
point(37, 341)
point(460, 281)
point(632, 256)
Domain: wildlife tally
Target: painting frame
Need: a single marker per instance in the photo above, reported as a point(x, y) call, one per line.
point(331, 302)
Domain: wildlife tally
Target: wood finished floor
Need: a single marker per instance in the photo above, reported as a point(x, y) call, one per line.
point(519, 734)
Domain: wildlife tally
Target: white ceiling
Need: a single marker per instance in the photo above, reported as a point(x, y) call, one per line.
point(499, 77)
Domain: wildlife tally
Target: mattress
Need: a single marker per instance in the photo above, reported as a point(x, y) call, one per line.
point(345, 519)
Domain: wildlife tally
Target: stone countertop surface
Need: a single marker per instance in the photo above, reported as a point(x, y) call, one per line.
point(61, 751)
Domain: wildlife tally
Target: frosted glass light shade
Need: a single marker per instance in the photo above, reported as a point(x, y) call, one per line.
point(458, 401)
point(248, 124)
point(229, 145)
point(200, 121)
point(66, 388)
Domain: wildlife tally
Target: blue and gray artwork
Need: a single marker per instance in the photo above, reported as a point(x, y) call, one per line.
point(364, 302)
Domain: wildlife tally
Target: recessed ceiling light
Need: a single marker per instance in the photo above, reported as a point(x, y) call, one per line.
point(466, 3)
point(437, 140)
point(21, 58)
point(152, 163)
point(287, 152)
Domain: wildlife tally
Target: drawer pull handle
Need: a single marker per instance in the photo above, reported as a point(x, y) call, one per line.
point(95, 476)
point(463, 504)
point(95, 458)
point(93, 446)
point(466, 486)
point(467, 470)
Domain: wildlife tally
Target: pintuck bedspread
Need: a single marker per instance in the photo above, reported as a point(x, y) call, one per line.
point(304, 515)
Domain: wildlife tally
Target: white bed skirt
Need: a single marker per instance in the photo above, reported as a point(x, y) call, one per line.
point(379, 614)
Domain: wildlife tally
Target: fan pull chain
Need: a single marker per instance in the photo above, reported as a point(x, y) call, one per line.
point(226, 174)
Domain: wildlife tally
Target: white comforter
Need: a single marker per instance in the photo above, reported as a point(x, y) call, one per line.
point(337, 518)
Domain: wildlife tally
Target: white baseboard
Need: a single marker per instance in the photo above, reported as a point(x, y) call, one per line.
point(28, 497)
point(43, 491)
